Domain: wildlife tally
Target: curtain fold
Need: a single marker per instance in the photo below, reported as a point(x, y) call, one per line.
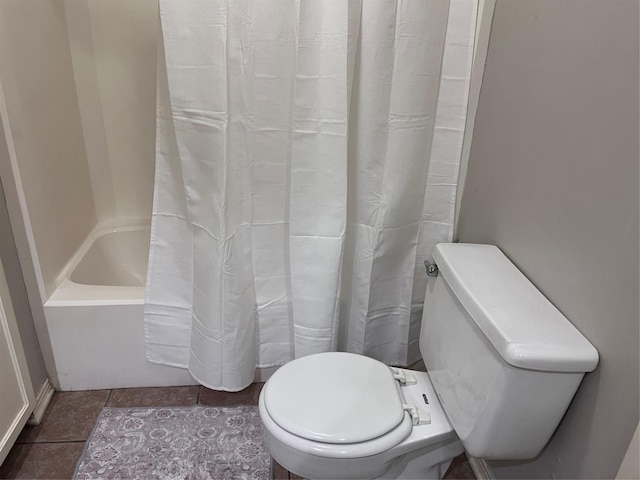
point(306, 162)
point(317, 202)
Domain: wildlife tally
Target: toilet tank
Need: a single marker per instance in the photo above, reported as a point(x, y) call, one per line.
point(504, 361)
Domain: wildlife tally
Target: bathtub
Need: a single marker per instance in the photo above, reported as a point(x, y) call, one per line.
point(95, 315)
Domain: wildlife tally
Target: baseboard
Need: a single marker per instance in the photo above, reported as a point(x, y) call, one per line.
point(42, 402)
point(480, 468)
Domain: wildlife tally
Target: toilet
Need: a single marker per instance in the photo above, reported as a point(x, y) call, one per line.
point(503, 365)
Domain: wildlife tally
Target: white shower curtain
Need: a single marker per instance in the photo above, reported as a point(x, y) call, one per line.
point(306, 163)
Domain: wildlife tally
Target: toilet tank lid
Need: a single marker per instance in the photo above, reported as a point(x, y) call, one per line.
point(521, 324)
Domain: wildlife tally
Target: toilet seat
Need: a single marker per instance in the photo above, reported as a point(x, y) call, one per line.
point(337, 405)
point(336, 450)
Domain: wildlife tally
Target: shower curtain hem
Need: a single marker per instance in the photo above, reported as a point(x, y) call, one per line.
point(205, 384)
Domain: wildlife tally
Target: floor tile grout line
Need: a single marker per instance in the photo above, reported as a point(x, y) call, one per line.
point(50, 442)
point(106, 402)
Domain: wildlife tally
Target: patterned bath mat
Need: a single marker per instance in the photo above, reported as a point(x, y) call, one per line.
point(186, 443)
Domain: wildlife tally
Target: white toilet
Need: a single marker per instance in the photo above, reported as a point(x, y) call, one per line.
point(503, 367)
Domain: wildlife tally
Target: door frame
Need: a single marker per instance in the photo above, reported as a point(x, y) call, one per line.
point(9, 327)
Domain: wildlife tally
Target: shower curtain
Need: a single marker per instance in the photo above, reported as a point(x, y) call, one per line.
point(307, 156)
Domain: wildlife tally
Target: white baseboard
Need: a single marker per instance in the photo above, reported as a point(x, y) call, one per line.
point(480, 468)
point(42, 402)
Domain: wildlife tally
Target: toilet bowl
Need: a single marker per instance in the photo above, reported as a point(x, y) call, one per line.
point(374, 422)
point(490, 342)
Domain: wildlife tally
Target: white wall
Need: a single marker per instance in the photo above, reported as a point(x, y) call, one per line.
point(113, 44)
point(43, 122)
point(553, 181)
point(79, 81)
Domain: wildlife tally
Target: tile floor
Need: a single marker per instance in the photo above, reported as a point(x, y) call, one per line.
point(51, 449)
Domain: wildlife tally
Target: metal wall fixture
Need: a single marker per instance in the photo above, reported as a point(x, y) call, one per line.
point(432, 268)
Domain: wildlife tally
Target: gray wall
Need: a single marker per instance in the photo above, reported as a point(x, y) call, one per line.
point(17, 289)
point(553, 181)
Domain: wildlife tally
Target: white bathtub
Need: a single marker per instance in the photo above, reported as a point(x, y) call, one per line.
point(95, 316)
point(117, 258)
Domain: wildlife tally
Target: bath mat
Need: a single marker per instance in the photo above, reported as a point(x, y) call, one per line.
point(181, 443)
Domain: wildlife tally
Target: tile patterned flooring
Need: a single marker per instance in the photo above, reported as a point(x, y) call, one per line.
point(51, 449)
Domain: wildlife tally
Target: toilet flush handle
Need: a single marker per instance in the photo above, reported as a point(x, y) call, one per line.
point(432, 268)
